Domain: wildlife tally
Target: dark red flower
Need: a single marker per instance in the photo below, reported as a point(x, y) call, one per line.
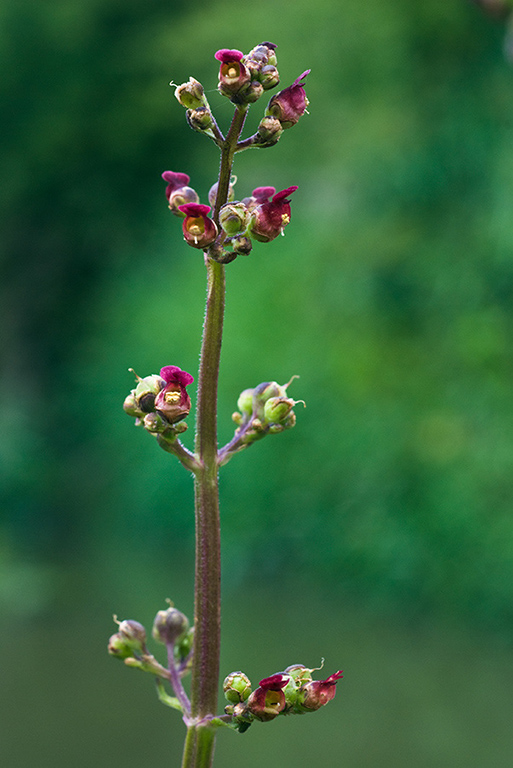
point(269, 219)
point(173, 401)
point(198, 229)
point(317, 693)
point(290, 104)
point(233, 74)
point(178, 192)
point(268, 700)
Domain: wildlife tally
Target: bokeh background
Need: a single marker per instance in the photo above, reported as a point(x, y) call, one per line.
point(377, 534)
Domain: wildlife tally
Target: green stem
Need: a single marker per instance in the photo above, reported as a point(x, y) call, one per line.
point(199, 743)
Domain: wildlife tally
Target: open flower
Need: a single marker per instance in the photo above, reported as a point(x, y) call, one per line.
point(178, 192)
point(317, 693)
point(172, 401)
point(290, 104)
point(233, 74)
point(269, 219)
point(198, 229)
point(268, 700)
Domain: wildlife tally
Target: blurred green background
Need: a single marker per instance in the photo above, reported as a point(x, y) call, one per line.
point(377, 534)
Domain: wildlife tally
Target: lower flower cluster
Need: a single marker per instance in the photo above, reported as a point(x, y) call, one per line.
point(293, 691)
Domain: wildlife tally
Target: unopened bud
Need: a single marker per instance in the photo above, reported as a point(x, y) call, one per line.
point(212, 193)
point(146, 391)
point(251, 92)
point(236, 687)
point(169, 625)
point(200, 119)
point(191, 95)
point(241, 245)
point(276, 409)
point(245, 402)
point(269, 130)
point(234, 218)
point(269, 77)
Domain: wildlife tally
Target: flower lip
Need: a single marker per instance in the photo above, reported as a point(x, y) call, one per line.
point(280, 197)
point(297, 82)
point(177, 179)
point(334, 678)
point(275, 682)
point(262, 194)
point(225, 55)
point(195, 209)
point(173, 374)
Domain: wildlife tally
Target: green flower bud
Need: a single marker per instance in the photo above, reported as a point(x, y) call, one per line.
point(276, 409)
point(269, 130)
point(134, 634)
point(245, 402)
point(236, 687)
point(146, 391)
point(130, 406)
point(155, 423)
point(251, 92)
point(200, 119)
point(169, 625)
point(269, 76)
point(234, 218)
point(191, 95)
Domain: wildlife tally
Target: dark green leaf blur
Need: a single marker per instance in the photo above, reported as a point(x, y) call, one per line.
point(379, 532)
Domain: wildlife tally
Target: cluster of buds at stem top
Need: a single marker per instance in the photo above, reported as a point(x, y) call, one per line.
point(290, 692)
point(244, 78)
point(160, 402)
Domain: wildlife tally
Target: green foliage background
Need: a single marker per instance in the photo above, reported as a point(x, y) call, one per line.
point(379, 532)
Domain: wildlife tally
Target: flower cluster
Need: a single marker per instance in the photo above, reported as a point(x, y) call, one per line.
point(160, 402)
point(262, 216)
point(290, 692)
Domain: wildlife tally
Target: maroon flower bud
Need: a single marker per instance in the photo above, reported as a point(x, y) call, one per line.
point(269, 131)
point(198, 229)
point(269, 219)
point(172, 401)
point(178, 192)
point(317, 693)
point(290, 104)
point(268, 700)
point(233, 74)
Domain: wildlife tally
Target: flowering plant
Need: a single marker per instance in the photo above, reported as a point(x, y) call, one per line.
point(160, 403)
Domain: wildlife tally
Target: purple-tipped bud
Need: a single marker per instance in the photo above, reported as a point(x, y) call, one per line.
point(130, 639)
point(191, 95)
point(236, 687)
point(169, 626)
point(269, 77)
point(233, 74)
point(290, 104)
point(269, 219)
point(268, 700)
point(259, 57)
point(173, 401)
point(317, 693)
point(198, 230)
point(178, 192)
point(251, 92)
point(212, 193)
point(234, 218)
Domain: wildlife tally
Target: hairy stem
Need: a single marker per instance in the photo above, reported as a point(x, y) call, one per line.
point(199, 743)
